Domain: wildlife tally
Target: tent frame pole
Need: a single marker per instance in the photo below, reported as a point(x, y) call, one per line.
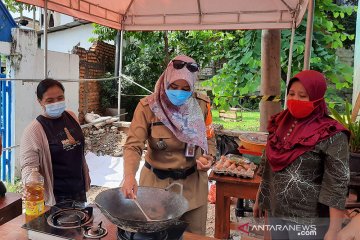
point(288, 75)
point(309, 33)
point(120, 71)
point(117, 53)
point(45, 39)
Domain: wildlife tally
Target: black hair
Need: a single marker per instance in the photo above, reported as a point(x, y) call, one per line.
point(45, 84)
point(290, 83)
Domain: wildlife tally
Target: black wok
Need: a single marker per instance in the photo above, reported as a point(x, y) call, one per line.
point(161, 205)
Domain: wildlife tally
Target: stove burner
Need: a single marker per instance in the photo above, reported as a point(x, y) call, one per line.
point(95, 231)
point(70, 218)
point(174, 232)
point(70, 204)
point(125, 235)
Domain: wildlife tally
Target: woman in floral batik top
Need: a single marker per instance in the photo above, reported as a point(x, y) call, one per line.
point(306, 173)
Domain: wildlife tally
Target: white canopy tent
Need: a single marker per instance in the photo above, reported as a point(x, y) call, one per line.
point(153, 15)
point(149, 15)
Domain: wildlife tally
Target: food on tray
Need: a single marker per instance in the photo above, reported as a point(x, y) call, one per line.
point(253, 141)
point(219, 166)
point(245, 166)
point(239, 168)
point(226, 164)
point(234, 165)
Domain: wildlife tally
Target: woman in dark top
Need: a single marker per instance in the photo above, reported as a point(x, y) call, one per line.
point(54, 143)
point(306, 173)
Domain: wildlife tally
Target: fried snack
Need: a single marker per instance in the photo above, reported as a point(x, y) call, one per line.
point(245, 166)
point(227, 163)
point(232, 167)
point(235, 165)
point(219, 166)
point(239, 168)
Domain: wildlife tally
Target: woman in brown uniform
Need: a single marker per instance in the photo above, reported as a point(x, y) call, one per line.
point(174, 121)
point(304, 183)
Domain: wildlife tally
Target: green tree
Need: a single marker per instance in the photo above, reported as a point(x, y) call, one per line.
point(143, 60)
point(237, 54)
point(329, 34)
point(17, 7)
point(241, 72)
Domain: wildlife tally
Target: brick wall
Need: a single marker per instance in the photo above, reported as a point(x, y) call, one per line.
point(94, 63)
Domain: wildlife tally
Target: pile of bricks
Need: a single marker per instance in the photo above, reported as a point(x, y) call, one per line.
point(106, 140)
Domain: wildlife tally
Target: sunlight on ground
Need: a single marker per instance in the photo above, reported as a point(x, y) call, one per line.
point(250, 121)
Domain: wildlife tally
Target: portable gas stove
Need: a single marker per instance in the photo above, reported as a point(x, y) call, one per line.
point(70, 220)
point(75, 221)
point(173, 233)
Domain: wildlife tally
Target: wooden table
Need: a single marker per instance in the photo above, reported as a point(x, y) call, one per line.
point(10, 207)
point(226, 187)
point(13, 230)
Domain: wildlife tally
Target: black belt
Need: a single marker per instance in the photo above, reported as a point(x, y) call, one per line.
point(174, 174)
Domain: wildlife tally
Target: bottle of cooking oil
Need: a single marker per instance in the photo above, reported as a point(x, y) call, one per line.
point(34, 194)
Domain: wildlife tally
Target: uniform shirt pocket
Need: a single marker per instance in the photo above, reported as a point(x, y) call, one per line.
point(162, 139)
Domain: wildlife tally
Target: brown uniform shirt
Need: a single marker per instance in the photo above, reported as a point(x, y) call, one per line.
point(195, 186)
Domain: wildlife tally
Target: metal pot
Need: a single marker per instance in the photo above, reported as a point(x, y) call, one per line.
point(161, 205)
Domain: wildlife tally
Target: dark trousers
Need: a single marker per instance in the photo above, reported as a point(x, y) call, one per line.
point(76, 197)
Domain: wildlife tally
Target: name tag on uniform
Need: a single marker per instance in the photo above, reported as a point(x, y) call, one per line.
point(190, 150)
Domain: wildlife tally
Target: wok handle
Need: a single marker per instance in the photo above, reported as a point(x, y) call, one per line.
point(175, 183)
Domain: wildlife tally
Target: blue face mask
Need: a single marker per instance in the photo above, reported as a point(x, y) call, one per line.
point(55, 110)
point(177, 97)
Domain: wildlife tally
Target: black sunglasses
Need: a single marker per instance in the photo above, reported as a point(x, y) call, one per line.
point(191, 66)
